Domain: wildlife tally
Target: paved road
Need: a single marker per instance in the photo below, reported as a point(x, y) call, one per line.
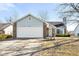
point(19, 47)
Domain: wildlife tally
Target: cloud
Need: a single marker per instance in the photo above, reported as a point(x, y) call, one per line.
point(6, 6)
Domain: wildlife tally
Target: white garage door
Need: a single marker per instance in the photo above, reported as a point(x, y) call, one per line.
point(29, 32)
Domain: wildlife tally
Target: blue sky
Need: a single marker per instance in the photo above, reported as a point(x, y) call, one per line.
point(22, 9)
point(8, 9)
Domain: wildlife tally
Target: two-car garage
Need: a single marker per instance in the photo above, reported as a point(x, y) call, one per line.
point(29, 27)
point(30, 32)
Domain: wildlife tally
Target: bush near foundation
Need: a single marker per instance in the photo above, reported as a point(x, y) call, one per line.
point(5, 37)
point(62, 35)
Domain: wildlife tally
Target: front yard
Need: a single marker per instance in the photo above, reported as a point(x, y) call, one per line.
point(62, 46)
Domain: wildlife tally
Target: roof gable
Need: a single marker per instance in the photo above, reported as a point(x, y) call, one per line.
point(31, 16)
point(40, 19)
point(4, 25)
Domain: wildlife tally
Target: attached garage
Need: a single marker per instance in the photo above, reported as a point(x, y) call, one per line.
point(29, 27)
point(30, 32)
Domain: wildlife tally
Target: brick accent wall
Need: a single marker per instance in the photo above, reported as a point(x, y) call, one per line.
point(45, 30)
point(14, 30)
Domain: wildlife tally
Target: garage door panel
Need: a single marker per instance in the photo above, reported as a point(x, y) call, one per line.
point(28, 32)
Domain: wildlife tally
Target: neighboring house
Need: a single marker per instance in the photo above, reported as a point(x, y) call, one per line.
point(59, 27)
point(9, 29)
point(1, 30)
point(6, 28)
point(76, 30)
point(30, 26)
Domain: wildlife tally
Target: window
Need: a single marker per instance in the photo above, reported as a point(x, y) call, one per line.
point(59, 31)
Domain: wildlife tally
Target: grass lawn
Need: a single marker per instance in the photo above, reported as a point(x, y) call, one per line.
point(60, 47)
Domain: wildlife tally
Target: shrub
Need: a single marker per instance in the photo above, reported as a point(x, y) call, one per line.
point(9, 36)
point(63, 35)
point(4, 36)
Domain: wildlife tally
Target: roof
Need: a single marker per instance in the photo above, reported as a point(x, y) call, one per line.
point(57, 24)
point(4, 25)
point(40, 19)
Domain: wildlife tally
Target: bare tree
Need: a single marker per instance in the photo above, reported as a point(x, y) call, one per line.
point(43, 14)
point(11, 19)
point(70, 9)
point(69, 12)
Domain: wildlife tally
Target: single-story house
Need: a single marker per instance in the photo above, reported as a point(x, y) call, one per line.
point(30, 26)
point(6, 28)
point(60, 29)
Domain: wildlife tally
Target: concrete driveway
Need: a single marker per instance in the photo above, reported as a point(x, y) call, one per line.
point(19, 47)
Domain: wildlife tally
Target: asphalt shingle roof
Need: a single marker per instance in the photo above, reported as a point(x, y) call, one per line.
point(57, 24)
point(3, 25)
